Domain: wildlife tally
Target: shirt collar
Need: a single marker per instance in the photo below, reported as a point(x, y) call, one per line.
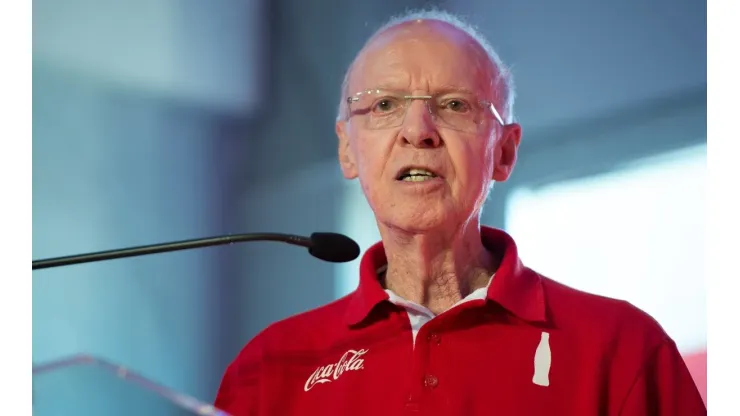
point(515, 287)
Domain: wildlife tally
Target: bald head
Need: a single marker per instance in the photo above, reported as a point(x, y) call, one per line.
point(437, 31)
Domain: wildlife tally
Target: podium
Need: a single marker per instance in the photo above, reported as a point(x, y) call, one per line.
point(85, 385)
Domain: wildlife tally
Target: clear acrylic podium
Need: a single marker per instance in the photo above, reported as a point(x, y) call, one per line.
point(84, 385)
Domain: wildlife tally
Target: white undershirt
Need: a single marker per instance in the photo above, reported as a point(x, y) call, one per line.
point(419, 315)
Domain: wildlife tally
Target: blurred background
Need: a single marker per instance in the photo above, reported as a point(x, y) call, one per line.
point(160, 120)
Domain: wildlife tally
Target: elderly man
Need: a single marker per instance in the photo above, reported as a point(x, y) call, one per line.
point(446, 320)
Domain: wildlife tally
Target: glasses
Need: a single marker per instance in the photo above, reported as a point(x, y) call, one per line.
point(383, 109)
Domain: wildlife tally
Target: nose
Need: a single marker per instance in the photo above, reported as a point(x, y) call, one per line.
point(419, 129)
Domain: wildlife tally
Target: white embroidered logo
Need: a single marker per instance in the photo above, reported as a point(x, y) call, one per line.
point(350, 361)
point(542, 361)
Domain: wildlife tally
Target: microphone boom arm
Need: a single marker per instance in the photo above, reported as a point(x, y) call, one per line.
point(167, 247)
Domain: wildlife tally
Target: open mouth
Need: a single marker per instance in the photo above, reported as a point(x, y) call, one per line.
point(416, 175)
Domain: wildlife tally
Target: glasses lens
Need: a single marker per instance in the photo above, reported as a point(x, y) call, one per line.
point(380, 109)
point(459, 111)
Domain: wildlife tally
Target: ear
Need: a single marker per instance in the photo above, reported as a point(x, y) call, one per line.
point(506, 152)
point(346, 159)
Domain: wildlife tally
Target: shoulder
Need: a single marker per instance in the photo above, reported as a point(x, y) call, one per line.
point(301, 337)
point(639, 361)
point(612, 324)
point(313, 331)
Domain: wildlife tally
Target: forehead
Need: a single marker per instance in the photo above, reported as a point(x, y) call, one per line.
point(423, 55)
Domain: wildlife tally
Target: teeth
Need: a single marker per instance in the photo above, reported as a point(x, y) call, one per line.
point(417, 178)
point(417, 175)
point(420, 172)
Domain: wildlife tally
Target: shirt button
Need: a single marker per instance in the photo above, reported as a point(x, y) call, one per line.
point(431, 381)
point(434, 338)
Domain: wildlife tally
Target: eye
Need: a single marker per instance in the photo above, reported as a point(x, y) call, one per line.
point(457, 105)
point(385, 105)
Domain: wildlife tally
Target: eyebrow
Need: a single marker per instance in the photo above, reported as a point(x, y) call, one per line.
point(444, 89)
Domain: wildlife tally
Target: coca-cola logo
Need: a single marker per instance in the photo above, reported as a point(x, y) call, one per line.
point(350, 361)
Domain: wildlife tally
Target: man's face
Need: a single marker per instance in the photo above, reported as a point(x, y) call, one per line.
point(421, 59)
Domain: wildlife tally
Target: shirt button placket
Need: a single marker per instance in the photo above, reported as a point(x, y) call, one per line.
point(430, 380)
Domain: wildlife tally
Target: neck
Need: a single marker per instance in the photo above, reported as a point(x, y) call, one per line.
point(437, 269)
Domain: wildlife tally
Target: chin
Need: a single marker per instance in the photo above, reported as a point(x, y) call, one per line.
point(415, 221)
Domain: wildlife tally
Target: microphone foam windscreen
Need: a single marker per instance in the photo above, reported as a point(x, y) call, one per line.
point(332, 247)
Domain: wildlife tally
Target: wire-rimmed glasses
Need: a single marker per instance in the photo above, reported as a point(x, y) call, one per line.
point(381, 109)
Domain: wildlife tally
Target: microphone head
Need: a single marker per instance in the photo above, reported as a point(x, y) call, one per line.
point(332, 247)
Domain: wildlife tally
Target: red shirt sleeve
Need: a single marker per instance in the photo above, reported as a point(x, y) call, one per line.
point(238, 393)
point(664, 387)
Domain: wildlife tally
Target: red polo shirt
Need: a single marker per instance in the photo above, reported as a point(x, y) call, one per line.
point(527, 346)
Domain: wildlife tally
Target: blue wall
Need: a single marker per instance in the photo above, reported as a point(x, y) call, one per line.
point(115, 169)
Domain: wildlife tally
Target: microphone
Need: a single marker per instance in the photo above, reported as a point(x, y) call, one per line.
point(331, 247)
